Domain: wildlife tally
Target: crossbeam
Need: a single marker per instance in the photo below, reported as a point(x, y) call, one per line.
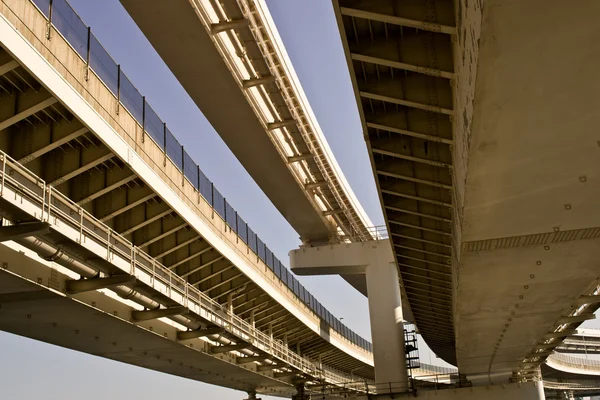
point(246, 360)
point(269, 367)
point(106, 190)
point(403, 66)
point(299, 158)
point(191, 256)
point(27, 113)
point(128, 207)
point(22, 229)
point(88, 285)
point(228, 348)
point(575, 319)
point(198, 333)
point(280, 124)
point(147, 222)
point(263, 80)
point(406, 103)
point(147, 315)
point(228, 25)
point(83, 168)
point(54, 145)
point(9, 66)
point(185, 275)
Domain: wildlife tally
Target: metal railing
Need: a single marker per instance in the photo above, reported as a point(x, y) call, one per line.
point(574, 362)
point(33, 195)
point(60, 15)
point(423, 382)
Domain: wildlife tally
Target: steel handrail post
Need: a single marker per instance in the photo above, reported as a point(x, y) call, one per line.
point(3, 173)
point(80, 226)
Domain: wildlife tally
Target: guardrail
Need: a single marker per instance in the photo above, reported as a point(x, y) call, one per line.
point(24, 189)
point(439, 381)
point(574, 362)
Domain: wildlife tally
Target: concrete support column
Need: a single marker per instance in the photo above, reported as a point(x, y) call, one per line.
point(375, 262)
point(512, 391)
point(387, 331)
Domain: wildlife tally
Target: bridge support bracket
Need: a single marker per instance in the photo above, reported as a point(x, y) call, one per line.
point(269, 367)
point(147, 315)
point(575, 319)
point(198, 333)
point(22, 229)
point(228, 348)
point(87, 285)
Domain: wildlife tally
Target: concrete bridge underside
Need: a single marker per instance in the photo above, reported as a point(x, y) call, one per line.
point(480, 121)
point(43, 132)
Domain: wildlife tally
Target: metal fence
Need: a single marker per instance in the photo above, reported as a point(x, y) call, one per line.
point(66, 21)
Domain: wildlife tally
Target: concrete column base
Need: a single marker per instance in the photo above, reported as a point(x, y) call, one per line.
point(512, 391)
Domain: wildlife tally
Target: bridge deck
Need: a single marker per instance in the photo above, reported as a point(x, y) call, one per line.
point(74, 133)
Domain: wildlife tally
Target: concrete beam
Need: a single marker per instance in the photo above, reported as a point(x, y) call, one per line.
point(399, 223)
point(411, 179)
point(411, 158)
point(562, 334)
point(542, 346)
point(406, 103)
point(147, 222)
point(327, 260)
point(163, 235)
point(191, 257)
point(406, 132)
point(27, 113)
point(83, 168)
point(402, 66)
point(263, 80)
point(280, 124)
point(226, 281)
point(178, 246)
point(228, 348)
point(198, 333)
point(7, 67)
point(54, 145)
point(583, 300)
point(88, 285)
point(315, 185)
point(299, 158)
point(332, 212)
point(286, 374)
point(228, 25)
point(107, 189)
point(22, 229)
point(391, 19)
point(185, 275)
point(246, 360)
point(128, 207)
point(147, 315)
point(575, 319)
point(206, 278)
point(269, 367)
point(539, 354)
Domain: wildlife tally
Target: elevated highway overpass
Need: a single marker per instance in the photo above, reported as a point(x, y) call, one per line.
point(483, 147)
point(130, 234)
point(241, 78)
point(485, 197)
